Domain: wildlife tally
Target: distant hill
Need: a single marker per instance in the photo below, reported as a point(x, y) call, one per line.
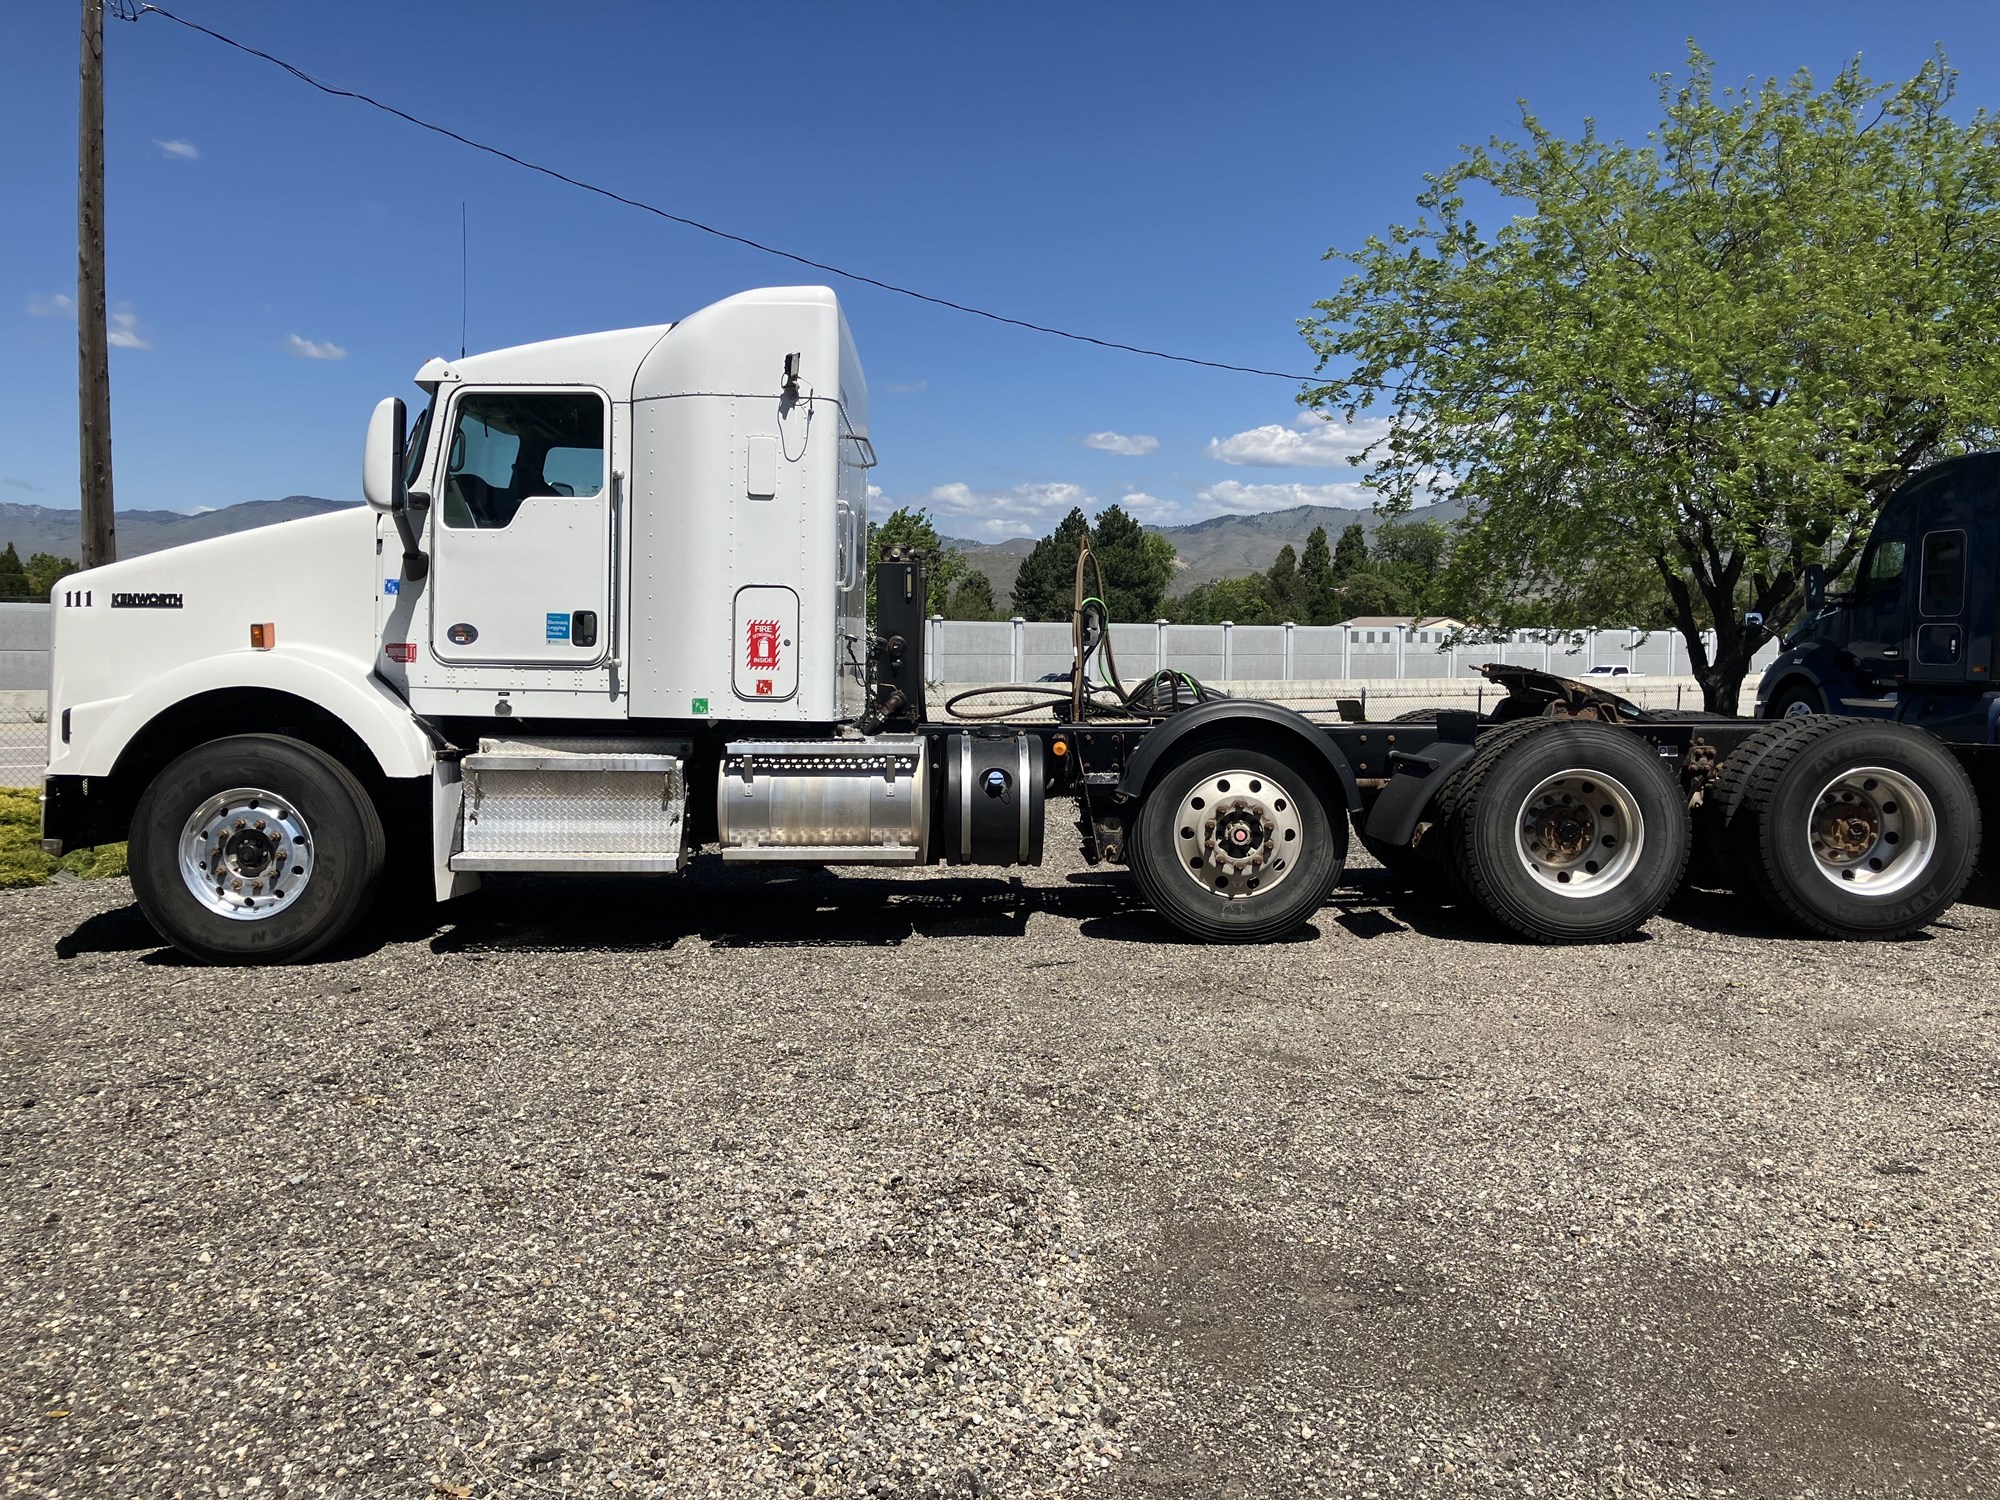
point(37, 528)
point(1220, 547)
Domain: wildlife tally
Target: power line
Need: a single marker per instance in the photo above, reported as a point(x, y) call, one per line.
point(126, 11)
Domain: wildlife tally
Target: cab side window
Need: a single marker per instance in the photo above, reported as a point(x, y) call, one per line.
point(1943, 591)
point(507, 447)
point(1883, 576)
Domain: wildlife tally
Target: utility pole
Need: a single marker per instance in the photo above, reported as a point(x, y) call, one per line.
point(93, 359)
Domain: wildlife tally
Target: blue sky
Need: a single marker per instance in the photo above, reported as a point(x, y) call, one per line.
point(1162, 174)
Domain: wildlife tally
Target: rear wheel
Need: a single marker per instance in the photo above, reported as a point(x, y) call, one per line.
point(1863, 831)
point(1236, 843)
point(1572, 833)
point(1722, 799)
point(255, 849)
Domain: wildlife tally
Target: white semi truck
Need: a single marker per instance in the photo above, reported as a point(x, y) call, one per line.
point(606, 608)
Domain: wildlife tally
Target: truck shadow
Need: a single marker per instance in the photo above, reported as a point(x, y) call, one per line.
point(734, 907)
point(756, 908)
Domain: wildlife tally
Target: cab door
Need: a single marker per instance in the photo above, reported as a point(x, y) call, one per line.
point(1941, 635)
point(521, 530)
point(1876, 615)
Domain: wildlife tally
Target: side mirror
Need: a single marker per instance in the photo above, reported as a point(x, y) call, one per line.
point(382, 481)
point(382, 461)
point(1815, 581)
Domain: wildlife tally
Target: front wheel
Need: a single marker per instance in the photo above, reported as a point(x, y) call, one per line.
point(1800, 700)
point(1235, 844)
point(255, 849)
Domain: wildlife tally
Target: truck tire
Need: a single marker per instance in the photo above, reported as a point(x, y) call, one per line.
point(1713, 863)
point(255, 849)
point(1433, 869)
point(1572, 834)
point(1238, 843)
point(1861, 830)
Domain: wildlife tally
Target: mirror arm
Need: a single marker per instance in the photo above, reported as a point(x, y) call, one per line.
point(415, 564)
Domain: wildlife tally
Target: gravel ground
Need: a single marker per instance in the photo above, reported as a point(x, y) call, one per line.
point(944, 1185)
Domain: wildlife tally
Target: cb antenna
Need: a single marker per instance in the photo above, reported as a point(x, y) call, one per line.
point(464, 290)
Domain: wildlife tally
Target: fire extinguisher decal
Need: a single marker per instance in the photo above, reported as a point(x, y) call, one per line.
point(766, 667)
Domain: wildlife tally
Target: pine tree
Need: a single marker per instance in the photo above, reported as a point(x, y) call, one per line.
point(1352, 553)
point(1316, 601)
point(13, 577)
point(1045, 586)
point(1282, 584)
point(1137, 567)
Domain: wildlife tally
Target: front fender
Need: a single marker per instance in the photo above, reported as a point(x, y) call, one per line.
point(1240, 716)
point(100, 732)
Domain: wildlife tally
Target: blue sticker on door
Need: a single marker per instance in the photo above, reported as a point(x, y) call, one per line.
point(558, 627)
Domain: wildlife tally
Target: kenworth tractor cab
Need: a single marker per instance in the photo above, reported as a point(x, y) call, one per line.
point(1913, 639)
point(605, 611)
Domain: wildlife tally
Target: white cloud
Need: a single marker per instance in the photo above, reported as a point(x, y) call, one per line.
point(874, 493)
point(909, 388)
point(1136, 446)
point(57, 306)
point(1249, 499)
point(312, 348)
point(177, 150)
point(1311, 442)
point(996, 515)
point(124, 332)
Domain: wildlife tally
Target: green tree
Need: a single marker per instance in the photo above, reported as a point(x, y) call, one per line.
point(1352, 553)
point(1137, 567)
point(13, 577)
point(1245, 601)
point(1282, 586)
point(46, 570)
point(1708, 356)
point(1371, 593)
point(1316, 580)
point(914, 528)
point(1412, 556)
point(972, 599)
point(1045, 585)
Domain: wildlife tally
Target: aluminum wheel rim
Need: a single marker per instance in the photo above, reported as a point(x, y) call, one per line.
point(1579, 833)
point(1798, 708)
point(1873, 831)
point(1238, 834)
point(246, 854)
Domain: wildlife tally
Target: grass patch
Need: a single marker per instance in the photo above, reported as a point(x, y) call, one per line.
point(21, 859)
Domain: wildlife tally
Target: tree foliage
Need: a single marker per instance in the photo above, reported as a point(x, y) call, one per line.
point(1702, 360)
point(33, 579)
point(972, 599)
point(1352, 553)
point(1137, 567)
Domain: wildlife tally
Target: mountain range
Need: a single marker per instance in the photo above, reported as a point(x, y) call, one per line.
point(1230, 546)
point(1233, 546)
point(38, 528)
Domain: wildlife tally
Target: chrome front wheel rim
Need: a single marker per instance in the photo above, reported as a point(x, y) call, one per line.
point(246, 854)
point(1238, 834)
point(1579, 833)
point(1873, 831)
